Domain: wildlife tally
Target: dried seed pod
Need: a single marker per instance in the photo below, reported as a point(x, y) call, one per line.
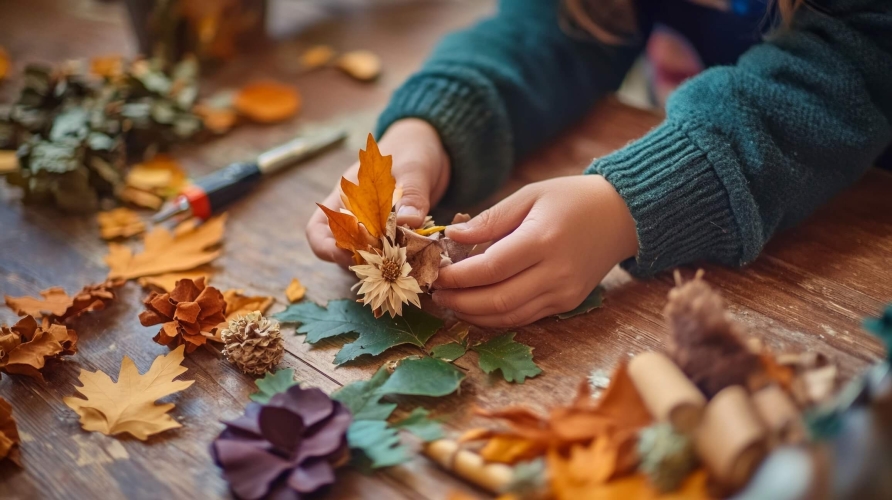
point(253, 343)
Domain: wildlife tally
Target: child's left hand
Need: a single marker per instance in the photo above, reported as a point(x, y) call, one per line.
point(554, 242)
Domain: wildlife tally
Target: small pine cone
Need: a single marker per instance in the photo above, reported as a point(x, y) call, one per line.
point(253, 343)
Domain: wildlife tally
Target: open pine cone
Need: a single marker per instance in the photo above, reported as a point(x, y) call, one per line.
point(190, 314)
point(253, 343)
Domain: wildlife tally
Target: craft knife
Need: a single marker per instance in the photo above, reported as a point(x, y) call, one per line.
point(214, 192)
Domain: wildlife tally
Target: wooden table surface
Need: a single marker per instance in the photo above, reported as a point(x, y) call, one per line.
point(808, 291)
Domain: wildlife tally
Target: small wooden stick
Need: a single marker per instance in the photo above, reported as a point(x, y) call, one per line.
point(469, 465)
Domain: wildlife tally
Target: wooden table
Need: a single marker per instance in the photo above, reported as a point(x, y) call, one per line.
point(809, 290)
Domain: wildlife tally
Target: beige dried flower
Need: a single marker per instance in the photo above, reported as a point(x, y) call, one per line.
point(384, 279)
point(253, 343)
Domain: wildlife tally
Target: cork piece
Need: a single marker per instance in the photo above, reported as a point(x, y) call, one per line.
point(779, 414)
point(666, 391)
point(731, 439)
point(469, 465)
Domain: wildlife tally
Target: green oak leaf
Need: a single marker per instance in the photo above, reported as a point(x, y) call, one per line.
point(421, 425)
point(449, 352)
point(593, 301)
point(423, 377)
point(363, 399)
point(377, 441)
point(272, 384)
point(514, 359)
point(375, 335)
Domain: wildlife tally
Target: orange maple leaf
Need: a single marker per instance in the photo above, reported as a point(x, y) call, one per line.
point(607, 428)
point(372, 198)
point(346, 231)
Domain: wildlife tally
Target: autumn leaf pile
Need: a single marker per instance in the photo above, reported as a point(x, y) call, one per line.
point(671, 426)
point(393, 262)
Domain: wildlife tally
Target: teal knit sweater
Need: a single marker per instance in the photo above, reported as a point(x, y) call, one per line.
point(745, 149)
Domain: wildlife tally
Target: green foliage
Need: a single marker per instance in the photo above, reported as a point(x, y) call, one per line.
point(515, 360)
point(362, 398)
point(272, 384)
point(593, 301)
point(423, 376)
point(378, 442)
point(370, 433)
point(375, 335)
point(449, 352)
point(421, 425)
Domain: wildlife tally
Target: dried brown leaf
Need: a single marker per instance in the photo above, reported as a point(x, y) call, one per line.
point(217, 120)
point(119, 223)
point(317, 56)
point(140, 198)
point(25, 347)
point(295, 291)
point(372, 198)
point(9, 162)
point(363, 65)
point(267, 101)
point(614, 419)
point(9, 434)
point(422, 253)
point(162, 175)
point(110, 66)
point(164, 252)
point(54, 302)
point(4, 63)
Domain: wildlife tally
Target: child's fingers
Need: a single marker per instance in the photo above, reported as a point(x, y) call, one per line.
point(535, 309)
point(319, 235)
point(506, 258)
point(415, 181)
point(496, 222)
point(499, 298)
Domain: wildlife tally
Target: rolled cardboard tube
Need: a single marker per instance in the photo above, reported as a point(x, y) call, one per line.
point(731, 439)
point(668, 394)
point(469, 465)
point(779, 414)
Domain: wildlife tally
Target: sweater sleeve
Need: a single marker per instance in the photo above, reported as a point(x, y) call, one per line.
point(499, 89)
point(749, 149)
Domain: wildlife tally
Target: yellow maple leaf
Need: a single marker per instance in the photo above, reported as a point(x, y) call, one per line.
point(295, 291)
point(128, 405)
point(188, 247)
point(372, 198)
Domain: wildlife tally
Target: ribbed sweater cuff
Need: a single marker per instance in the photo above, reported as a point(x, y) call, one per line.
point(681, 208)
point(473, 125)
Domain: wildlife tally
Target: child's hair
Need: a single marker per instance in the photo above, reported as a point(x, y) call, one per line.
point(615, 21)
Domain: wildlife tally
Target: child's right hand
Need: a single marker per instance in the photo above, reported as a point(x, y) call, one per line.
point(421, 170)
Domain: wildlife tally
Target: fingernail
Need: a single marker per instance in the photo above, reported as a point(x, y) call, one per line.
point(461, 226)
point(408, 211)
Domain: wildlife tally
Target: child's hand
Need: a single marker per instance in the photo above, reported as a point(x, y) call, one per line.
point(421, 169)
point(554, 242)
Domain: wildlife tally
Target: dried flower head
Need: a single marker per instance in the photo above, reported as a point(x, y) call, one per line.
point(384, 279)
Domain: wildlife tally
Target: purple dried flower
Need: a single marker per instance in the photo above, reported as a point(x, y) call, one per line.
point(285, 449)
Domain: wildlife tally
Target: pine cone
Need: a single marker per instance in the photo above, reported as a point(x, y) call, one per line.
point(253, 343)
point(190, 314)
point(708, 346)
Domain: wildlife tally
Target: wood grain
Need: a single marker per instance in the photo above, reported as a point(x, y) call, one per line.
point(808, 291)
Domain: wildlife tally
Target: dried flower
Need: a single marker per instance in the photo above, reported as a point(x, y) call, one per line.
point(285, 449)
point(190, 314)
point(384, 280)
point(253, 343)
